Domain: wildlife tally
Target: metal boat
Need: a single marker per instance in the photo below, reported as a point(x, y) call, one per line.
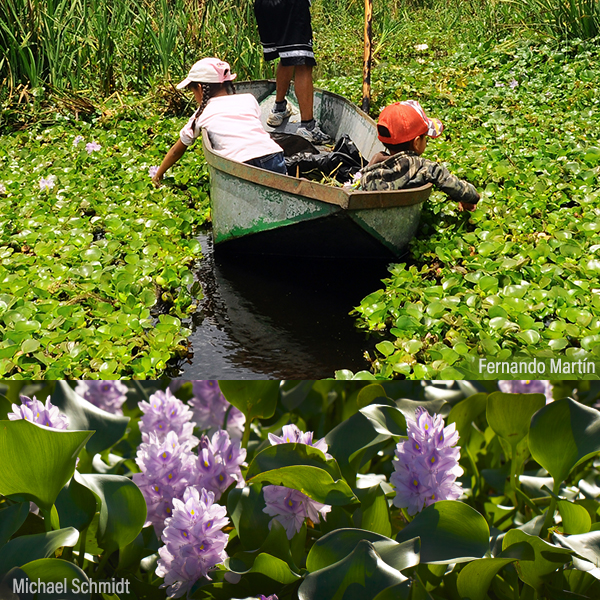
point(255, 211)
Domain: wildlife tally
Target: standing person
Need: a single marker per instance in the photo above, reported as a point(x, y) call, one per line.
point(231, 120)
point(286, 32)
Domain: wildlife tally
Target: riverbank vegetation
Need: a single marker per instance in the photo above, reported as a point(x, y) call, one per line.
point(96, 271)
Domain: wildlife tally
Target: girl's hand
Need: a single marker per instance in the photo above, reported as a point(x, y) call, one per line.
point(462, 206)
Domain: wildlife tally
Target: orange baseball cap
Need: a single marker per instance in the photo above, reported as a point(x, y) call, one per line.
point(406, 121)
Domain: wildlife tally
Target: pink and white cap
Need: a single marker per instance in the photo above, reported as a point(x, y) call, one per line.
point(208, 70)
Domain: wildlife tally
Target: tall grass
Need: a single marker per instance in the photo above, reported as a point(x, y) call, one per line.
point(564, 18)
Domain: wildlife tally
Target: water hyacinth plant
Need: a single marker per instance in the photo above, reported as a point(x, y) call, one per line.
point(212, 411)
point(318, 500)
point(107, 395)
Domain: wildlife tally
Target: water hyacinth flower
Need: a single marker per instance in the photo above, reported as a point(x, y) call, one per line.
point(421, 47)
point(194, 541)
point(163, 413)
point(219, 461)
point(167, 469)
point(426, 465)
point(48, 183)
point(92, 147)
point(152, 171)
point(533, 386)
point(34, 411)
point(78, 139)
point(288, 506)
point(513, 84)
point(210, 407)
point(107, 395)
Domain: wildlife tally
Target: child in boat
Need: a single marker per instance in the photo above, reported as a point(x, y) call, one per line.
point(231, 120)
point(403, 128)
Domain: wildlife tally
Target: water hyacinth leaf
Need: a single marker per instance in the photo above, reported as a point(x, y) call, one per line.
point(268, 565)
point(109, 428)
point(450, 532)
point(54, 570)
point(400, 591)
point(465, 412)
point(122, 509)
point(369, 394)
point(26, 548)
point(37, 461)
point(255, 399)
point(11, 518)
point(509, 415)
point(361, 575)
point(475, 578)
point(548, 558)
point(437, 405)
point(575, 518)
point(338, 544)
point(586, 545)
point(294, 393)
point(245, 508)
point(386, 420)
point(76, 505)
point(562, 435)
point(373, 513)
point(287, 455)
point(5, 407)
point(315, 482)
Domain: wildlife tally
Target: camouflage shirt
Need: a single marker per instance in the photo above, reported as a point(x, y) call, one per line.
point(409, 170)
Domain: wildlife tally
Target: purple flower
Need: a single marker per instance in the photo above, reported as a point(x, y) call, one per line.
point(2, 188)
point(426, 465)
point(273, 597)
point(210, 408)
point(288, 506)
point(78, 139)
point(219, 461)
point(534, 386)
point(47, 184)
point(152, 171)
point(194, 542)
point(167, 469)
point(513, 84)
point(163, 413)
point(38, 413)
point(107, 395)
point(92, 147)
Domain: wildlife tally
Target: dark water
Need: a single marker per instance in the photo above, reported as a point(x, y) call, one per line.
point(279, 318)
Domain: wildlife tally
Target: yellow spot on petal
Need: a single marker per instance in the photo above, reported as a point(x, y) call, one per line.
point(160, 426)
point(527, 382)
point(164, 455)
point(156, 489)
point(201, 546)
point(193, 512)
point(433, 496)
point(185, 534)
point(168, 510)
point(206, 463)
point(221, 478)
point(426, 427)
point(290, 503)
point(170, 475)
point(415, 482)
point(432, 459)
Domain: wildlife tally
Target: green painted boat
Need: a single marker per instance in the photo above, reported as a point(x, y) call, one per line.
point(255, 211)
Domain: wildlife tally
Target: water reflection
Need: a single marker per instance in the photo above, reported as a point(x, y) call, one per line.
point(279, 318)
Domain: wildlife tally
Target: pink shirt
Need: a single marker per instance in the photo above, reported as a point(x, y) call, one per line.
point(234, 128)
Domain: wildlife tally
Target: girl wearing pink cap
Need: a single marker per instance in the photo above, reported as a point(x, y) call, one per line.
point(231, 120)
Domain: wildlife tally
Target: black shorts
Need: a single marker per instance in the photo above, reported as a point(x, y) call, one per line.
point(285, 31)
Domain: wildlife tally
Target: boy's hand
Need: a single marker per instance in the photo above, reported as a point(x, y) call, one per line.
point(157, 181)
point(469, 206)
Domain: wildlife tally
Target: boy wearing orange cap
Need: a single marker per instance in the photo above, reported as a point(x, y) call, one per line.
point(403, 128)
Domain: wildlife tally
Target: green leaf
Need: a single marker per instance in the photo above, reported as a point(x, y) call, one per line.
point(272, 567)
point(373, 513)
point(109, 428)
point(475, 578)
point(54, 570)
point(5, 407)
point(122, 509)
point(369, 394)
point(312, 481)
point(26, 548)
point(11, 518)
point(575, 518)
point(245, 507)
point(562, 435)
point(338, 544)
point(465, 412)
point(287, 455)
point(400, 591)
point(586, 545)
point(509, 415)
point(76, 505)
point(386, 420)
point(361, 575)
point(256, 399)
point(450, 532)
point(37, 461)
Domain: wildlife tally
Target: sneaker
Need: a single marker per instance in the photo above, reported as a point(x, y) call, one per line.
point(314, 135)
point(276, 117)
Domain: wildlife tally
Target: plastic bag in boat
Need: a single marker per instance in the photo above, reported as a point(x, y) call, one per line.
point(341, 163)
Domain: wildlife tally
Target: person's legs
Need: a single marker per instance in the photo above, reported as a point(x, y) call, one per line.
point(283, 78)
point(303, 84)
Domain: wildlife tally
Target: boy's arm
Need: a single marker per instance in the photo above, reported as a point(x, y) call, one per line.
point(173, 155)
point(459, 190)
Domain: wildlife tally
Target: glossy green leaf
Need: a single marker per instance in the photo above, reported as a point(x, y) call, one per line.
point(256, 399)
point(509, 415)
point(54, 570)
point(245, 508)
point(359, 576)
point(338, 544)
point(562, 435)
point(373, 513)
point(465, 412)
point(386, 420)
point(369, 394)
point(109, 428)
point(76, 505)
point(5, 407)
point(475, 578)
point(585, 545)
point(122, 509)
point(575, 518)
point(37, 461)
point(272, 567)
point(293, 394)
point(26, 548)
point(11, 518)
point(548, 558)
point(400, 591)
point(450, 532)
point(312, 481)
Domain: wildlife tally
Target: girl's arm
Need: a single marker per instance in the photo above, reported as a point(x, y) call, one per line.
point(173, 155)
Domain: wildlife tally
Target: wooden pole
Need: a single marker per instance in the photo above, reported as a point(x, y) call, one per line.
point(368, 56)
